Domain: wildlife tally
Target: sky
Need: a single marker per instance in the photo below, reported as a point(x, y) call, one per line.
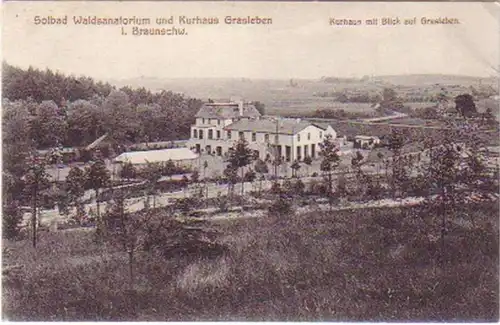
point(299, 43)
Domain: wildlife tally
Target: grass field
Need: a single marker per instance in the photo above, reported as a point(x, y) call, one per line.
point(369, 265)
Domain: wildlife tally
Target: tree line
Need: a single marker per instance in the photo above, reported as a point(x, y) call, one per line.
point(55, 109)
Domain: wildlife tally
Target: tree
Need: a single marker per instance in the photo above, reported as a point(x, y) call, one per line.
point(261, 168)
point(239, 157)
point(128, 171)
point(195, 176)
point(295, 167)
point(11, 218)
point(97, 176)
point(128, 230)
point(456, 171)
point(36, 178)
point(489, 118)
point(260, 107)
point(75, 184)
point(330, 159)
point(48, 127)
point(356, 163)
point(465, 106)
point(169, 169)
point(308, 162)
point(400, 171)
point(277, 161)
point(152, 174)
point(390, 101)
point(231, 174)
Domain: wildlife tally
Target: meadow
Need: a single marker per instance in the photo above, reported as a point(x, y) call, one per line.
point(385, 264)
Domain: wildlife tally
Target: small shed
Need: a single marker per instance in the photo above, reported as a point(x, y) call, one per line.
point(180, 156)
point(366, 142)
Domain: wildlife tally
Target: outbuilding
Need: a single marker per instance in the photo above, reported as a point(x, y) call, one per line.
point(180, 156)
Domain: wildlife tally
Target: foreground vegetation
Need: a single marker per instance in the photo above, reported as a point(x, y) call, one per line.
point(368, 265)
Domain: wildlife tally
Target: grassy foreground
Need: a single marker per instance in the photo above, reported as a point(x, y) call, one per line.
point(365, 265)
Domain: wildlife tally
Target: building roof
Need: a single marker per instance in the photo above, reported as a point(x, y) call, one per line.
point(226, 110)
point(321, 125)
point(285, 126)
point(96, 142)
point(366, 137)
point(153, 156)
point(159, 144)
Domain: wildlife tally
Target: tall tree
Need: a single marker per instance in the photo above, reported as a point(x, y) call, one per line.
point(295, 166)
point(48, 126)
point(97, 176)
point(128, 171)
point(261, 168)
point(75, 185)
point(239, 157)
point(308, 162)
point(231, 174)
point(399, 170)
point(151, 174)
point(36, 179)
point(330, 159)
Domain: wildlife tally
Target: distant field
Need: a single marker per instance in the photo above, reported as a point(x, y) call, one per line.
point(300, 96)
point(313, 104)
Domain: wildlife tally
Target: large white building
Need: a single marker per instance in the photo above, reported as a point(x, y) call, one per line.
point(220, 125)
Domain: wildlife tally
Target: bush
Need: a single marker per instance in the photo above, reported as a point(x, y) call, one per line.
point(317, 188)
point(276, 188)
point(250, 176)
point(187, 204)
point(222, 202)
point(281, 207)
point(11, 218)
point(299, 187)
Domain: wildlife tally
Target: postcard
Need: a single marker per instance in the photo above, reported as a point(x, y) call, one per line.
point(250, 161)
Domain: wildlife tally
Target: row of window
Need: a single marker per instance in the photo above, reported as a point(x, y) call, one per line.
point(198, 134)
point(209, 120)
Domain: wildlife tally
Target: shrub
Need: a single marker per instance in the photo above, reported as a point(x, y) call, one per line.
point(222, 202)
point(11, 218)
point(276, 188)
point(299, 187)
point(250, 176)
point(281, 207)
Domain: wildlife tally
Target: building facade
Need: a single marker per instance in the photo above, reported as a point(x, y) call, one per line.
point(220, 125)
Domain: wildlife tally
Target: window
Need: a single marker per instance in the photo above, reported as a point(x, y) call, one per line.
point(241, 135)
point(320, 134)
point(218, 135)
point(298, 137)
point(203, 120)
point(254, 137)
point(266, 137)
point(229, 134)
point(210, 134)
point(276, 138)
point(195, 133)
point(200, 134)
point(309, 136)
point(218, 122)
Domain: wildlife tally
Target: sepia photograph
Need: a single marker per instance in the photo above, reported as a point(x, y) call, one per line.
point(250, 161)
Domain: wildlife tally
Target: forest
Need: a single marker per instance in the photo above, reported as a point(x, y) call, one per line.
point(48, 108)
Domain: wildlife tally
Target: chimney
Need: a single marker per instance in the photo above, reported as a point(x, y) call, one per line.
point(240, 108)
